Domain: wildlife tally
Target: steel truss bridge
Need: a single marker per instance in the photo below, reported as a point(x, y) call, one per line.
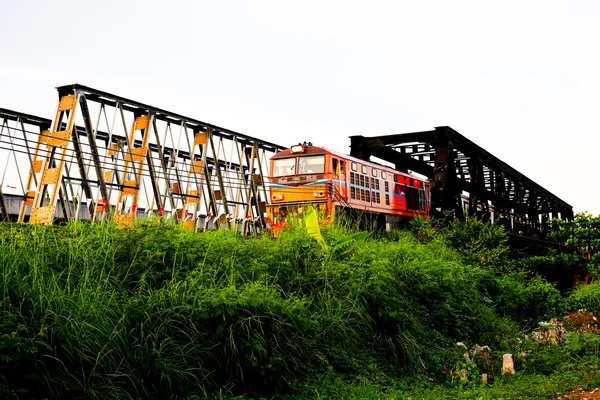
point(467, 179)
point(107, 157)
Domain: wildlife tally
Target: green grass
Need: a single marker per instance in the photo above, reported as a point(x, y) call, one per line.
point(154, 311)
point(519, 387)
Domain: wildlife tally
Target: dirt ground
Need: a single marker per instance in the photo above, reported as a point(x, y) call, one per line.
point(580, 394)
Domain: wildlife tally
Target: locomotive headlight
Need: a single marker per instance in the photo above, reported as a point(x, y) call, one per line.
point(297, 149)
point(319, 194)
point(277, 197)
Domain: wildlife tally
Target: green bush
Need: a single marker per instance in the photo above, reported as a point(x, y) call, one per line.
point(585, 297)
point(542, 359)
point(524, 301)
point(481, 244)
point(20, 362)
point(421, 300)
point(543, 300)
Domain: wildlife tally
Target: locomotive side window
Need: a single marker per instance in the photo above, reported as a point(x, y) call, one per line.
point(374, 184)
point(342, 169)
point(374, 172)
point(354, 167)
point(387, 194)
point(334, 166)
point(352, 183)
point(383, 175)
point(364, 169)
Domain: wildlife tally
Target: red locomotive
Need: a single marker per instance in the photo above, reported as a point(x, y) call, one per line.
point(306, 175)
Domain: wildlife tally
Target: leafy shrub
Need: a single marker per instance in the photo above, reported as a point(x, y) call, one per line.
point(543, 299)
point(420, 299)
point(481, 244)
point(524, 301)
point(542, 359)
point(581, 235)
point(585, 297)
point(20, 351)
point(583, 344)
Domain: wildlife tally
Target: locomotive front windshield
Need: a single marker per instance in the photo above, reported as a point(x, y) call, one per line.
point(284, 167)
point(299, 165)
point(311, 165)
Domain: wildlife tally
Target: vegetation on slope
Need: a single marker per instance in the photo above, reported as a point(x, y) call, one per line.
point(155, 311)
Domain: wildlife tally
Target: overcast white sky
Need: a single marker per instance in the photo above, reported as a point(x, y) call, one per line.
point(519, 78)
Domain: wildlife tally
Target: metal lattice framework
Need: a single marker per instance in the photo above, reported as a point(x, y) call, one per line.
point(467, 179)
point(19, 154)
point(108, 157)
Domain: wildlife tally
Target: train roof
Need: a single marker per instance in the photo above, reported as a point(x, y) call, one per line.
point(314, 150)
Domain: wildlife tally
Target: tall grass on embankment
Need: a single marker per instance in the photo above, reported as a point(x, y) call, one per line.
point(155, 311)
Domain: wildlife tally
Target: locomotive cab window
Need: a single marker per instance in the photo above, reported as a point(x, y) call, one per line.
point(311, 164)
point(284, 166)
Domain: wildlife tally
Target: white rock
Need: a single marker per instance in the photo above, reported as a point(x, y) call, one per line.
point(508, 364)
point(484, 379)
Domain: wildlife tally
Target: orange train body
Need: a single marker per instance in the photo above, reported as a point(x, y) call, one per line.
point(307, 175)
